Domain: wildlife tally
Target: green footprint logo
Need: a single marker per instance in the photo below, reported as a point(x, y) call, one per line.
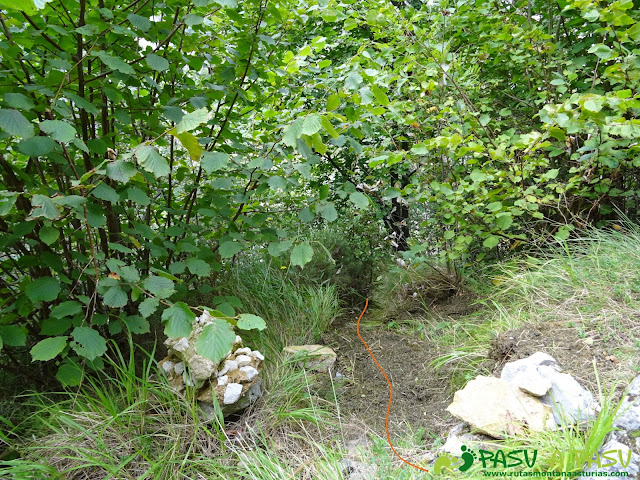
point(444, 461)
point(467, 457)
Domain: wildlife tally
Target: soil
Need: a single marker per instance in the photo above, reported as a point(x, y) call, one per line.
point(573, 351)
point(420, 395)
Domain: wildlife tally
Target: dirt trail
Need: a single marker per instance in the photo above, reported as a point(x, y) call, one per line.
point(420, 395)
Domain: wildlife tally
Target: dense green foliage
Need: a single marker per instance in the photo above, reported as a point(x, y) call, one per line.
point(144, 146)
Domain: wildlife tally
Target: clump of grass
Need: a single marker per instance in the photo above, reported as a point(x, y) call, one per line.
point(591, 283)
point(295, 313)
point(404, 292)
point(128, 423)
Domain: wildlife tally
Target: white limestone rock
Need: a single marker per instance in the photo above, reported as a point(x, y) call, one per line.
point(243, 360)
point(202, 368)
point(232, 393)
point(167, 367)
point(256, 354)
point(250, 371)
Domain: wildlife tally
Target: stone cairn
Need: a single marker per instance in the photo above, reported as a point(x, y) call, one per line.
point(235, 381)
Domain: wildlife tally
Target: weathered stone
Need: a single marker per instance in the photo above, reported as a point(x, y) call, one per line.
point(243, 360)
point(179, 368)
point(250, 372)
point(167, 367)
point(228, 366)
point(243, 351)
point(495, 407)
point(461, 435)
point(628, 418)
point(313, 357)
point(258, 355)
point(232, 393)
point(223, 380)
point(569, 400)
point(238, 376)
point(524, 374)
point(181, 345)
point(202, 368)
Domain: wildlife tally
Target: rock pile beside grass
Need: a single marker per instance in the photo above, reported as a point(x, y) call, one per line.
point(235, 381)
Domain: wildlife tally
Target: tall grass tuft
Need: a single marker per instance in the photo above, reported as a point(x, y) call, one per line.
point(295, 313)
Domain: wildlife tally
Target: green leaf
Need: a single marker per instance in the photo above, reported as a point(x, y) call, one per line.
point(198, 267)
point(18, 100)
point(142, 23)
point(13, 335)
point(379, 95)
point(329, 212)
point(90, 343)
point(494, 206)
point(14, 123)
point(359, 199)
point(48, 348)
point(248, 321)
point(138, 196)
point(229, 249)
point(190, 143)
point(301, 254)
point(326, 124)
point(71, 201)
point(504, 221)
point(136, 324)
point(192, 120)
point(121, 171)
point(37, 146)
point(161, 287)
point(44, 289)
point(55, 326)
point(58, 130)
point(277, 248)
point(114, 62)
point(215, 340)
point(353, 81)
point(66, 309)
point(149, 159)
point(148, 306)
point(105, 192)
point(227, 3)
point(491, 241)
point(484, 120)
point(449, 234)
point(477, 175)
point(311, 124)
point(212, 161)
point(306, 215)
point(178, 320)
point(157, 62)
point(7, 201)
point(69, 375)
point(333, 102)
point(49, 235)
point(292, 132)
point(115, 297)
point(277, 182)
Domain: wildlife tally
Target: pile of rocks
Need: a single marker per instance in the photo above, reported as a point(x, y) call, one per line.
point(534, 394)
point(531, 394)
point(235, 381)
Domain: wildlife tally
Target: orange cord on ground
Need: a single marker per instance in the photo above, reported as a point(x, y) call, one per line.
point(390, 391)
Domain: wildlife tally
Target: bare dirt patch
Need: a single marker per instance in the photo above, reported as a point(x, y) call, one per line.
point(574, 349)
point(420, 394)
